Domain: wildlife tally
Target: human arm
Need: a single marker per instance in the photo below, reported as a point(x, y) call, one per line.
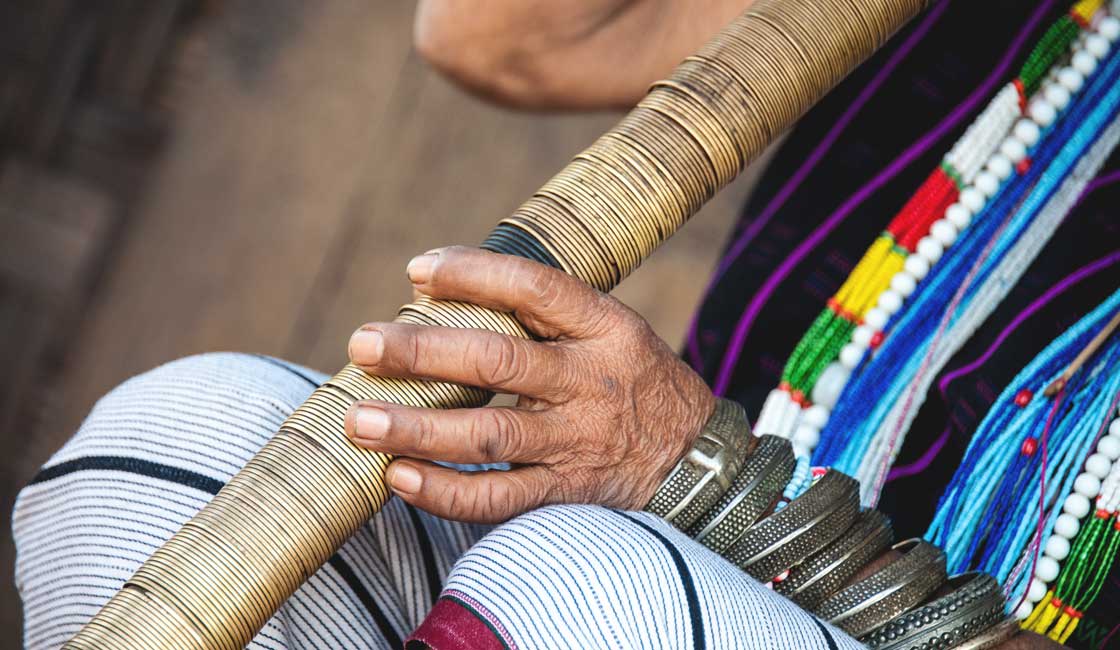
point(582, 54)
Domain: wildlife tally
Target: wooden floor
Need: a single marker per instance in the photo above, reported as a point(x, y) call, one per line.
point(312, 154)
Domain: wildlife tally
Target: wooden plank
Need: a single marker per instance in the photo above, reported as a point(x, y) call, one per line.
point(52, 228)
point(267, 151)
point(449, 182)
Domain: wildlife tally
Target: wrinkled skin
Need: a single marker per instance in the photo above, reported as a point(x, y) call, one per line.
point(604, 410)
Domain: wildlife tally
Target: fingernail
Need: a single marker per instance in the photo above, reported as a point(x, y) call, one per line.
point(405, 478)
point(371, 423)
point(420, 268)
point(366, 347)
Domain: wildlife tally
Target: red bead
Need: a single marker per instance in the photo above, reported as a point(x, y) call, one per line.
point(1029, 447)
point(1057, 602)
point(1103, 514)
point(876, 340)
point(1023, 397)
point(1022, 94)
point(799, 398)
point(1023, 166)
point(1071, 612)
point(784, 386)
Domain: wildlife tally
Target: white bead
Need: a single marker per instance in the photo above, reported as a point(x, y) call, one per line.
point(1057, 547)
point(862, 336)
point(786, 421)
point(960, 216)
point(1110, 29)
point(1066, 525)
point(815, 416)
point(1014, 149)
point(1047, 569)
point(1043, 112)
point(1023, 612)
point(1098, 465)
point(772, 408)
point(1036, 591)
point(972, 198)
point(1114, 428)
point(806, 437)
point(944, 232)
point(850, 355)
point(1110, 446)
point(876, 318)
point(1097, 45)
point(1084, 63)
point(890, 301)
point(1071, 79)
point(904, 283)
point(829, 385)
point(987, 183)
point(1076, 505)
point(1057, 95)
point(917, 266)
point(930, 248)
point(1027, 132)
point(1000, 165)
point(1087, 485)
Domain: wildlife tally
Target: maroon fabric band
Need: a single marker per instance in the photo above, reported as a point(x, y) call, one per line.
point(454, 625)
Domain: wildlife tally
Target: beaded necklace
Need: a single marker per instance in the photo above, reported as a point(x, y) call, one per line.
point(1056, 611)
point(856, 317)
point(946, 341)
point(883, 378)
point(984, 517)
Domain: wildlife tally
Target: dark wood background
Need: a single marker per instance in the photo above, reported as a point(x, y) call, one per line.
point(181, 176)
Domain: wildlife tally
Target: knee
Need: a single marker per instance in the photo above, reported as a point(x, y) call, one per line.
point(558, 547)
point(207, 413)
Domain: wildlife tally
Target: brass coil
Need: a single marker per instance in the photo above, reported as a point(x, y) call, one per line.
point(216, 582)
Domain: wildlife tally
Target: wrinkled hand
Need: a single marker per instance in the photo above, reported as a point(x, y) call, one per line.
point(605, 408)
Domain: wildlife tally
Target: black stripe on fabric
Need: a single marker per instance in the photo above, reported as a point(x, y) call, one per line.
point(698, 634)
point(281, 364)
point(212, 486)
point(132, 466)
point(828, 638)
point(431, 572)
point(363, 595)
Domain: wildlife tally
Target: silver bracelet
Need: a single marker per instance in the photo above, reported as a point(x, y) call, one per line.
point(890, 591)
point(808, 524)
point(752, 495)
point(821, 575)
point(974, 606)
point(707, 471)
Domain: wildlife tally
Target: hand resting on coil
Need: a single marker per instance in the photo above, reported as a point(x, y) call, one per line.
point(604, 411)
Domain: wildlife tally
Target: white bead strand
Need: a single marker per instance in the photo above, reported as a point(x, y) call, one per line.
point(1099, 481)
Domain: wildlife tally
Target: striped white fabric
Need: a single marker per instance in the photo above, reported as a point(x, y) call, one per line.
point(157, 448)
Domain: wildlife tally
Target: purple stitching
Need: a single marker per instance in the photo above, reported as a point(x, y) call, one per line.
point(746, 321)
point(1096, 184)
point(930, 455)
point(810, 163)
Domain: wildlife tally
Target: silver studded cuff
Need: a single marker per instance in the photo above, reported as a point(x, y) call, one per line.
point(974, 606)
point(824, 573)
point(706, 472)
point(752, 494)
point(994, 637)
point(890, 591)
point(808, 524)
